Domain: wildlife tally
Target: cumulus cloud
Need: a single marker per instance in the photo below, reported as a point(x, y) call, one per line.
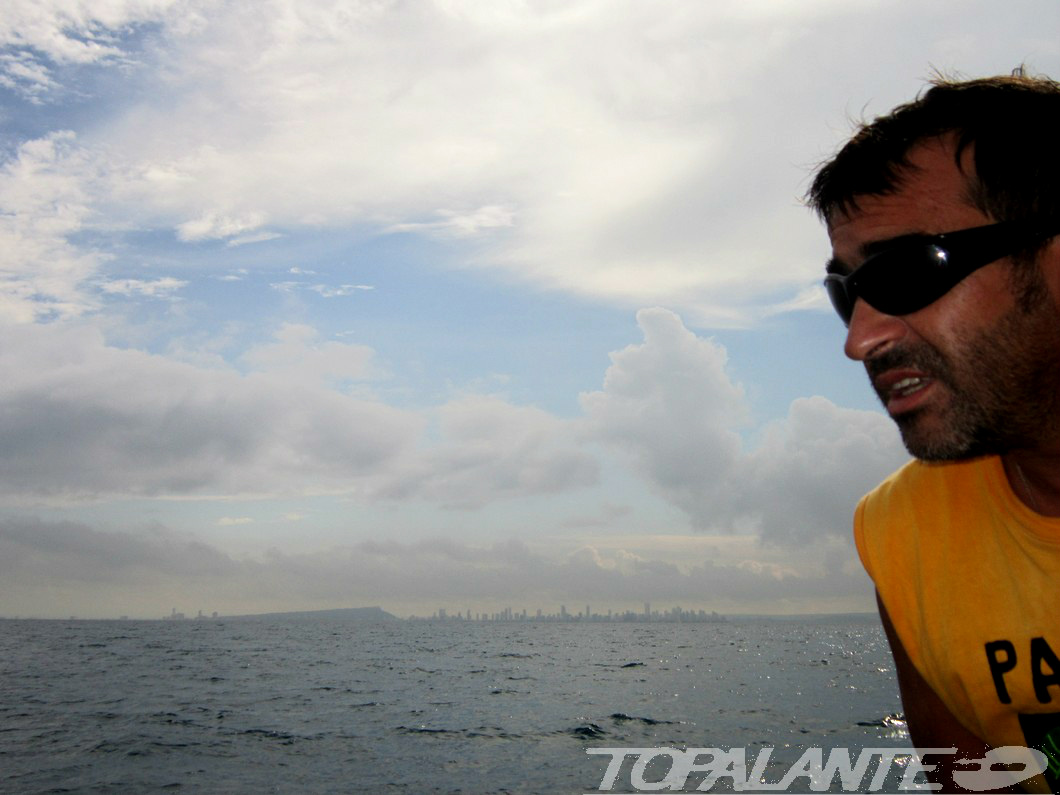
point(803, 479)
point(81, 419)
point(671, 405)
point(489, 448)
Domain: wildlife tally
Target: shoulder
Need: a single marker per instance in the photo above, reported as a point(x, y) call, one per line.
point(916, 510)
point(897, 489)
point(919, 479)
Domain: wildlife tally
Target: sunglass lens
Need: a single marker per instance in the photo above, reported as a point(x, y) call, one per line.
point(841, 301)
point(906, 280)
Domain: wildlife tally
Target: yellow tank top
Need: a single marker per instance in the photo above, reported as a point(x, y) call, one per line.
point(971, 580)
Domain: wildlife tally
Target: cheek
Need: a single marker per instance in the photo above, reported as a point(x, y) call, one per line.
point(974, 304)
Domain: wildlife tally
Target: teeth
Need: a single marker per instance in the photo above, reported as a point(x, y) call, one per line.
point(907, 385)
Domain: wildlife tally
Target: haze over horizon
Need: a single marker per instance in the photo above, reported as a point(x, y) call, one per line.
point(309, 304)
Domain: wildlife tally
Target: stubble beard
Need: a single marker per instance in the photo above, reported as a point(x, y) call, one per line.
point(1002, 387)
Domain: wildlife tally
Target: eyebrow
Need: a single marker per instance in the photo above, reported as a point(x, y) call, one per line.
point(875, 247)
point(835, 266)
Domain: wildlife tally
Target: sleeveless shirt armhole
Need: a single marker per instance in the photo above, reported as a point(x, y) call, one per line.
point(860, 541)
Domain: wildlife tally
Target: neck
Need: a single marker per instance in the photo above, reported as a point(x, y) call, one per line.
point(1035, 478)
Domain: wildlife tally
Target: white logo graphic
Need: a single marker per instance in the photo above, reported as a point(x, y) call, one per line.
point(997, 768)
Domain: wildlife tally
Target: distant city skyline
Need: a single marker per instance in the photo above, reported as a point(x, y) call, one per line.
point(675, 612)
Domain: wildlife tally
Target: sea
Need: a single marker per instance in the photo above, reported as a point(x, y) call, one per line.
point(324, 706)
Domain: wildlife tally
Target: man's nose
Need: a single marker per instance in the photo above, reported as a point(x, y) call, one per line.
point(871, 331)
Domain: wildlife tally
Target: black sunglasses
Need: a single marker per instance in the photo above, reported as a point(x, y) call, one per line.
point(911, 273)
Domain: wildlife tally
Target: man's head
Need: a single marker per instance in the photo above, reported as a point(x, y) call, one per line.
point(970, 364)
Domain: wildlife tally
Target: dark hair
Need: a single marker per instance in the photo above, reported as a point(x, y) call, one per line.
point(1011, 122)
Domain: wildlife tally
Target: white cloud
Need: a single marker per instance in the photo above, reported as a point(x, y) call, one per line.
point(213, 226)
point(804, 478)
point(457, 224)
point(253, 237)
point(22, 73)
point(154, 288)
point(638, 153)
point(326, 291)
point(670, 404)
point(45, 197)
point(41, 33)
point(80, 419)
point(490, 449)
point(287, 287)
point(83, 419)
point(298, 356)
point(323, 290)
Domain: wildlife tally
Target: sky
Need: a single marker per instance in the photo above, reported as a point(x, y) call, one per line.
point(444, 304)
